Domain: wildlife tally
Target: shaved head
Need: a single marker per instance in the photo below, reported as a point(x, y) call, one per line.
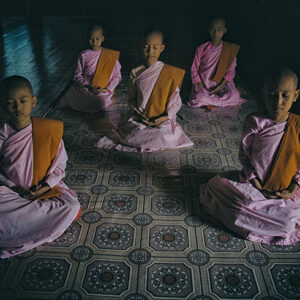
point(14, 82)
point(217, 18)
point(277, 74)
point(95, 28)
point(153, 31)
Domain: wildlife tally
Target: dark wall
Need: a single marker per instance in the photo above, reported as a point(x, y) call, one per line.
point(267, 30)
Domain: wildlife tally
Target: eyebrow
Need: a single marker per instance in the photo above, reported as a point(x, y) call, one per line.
point(284, 91)
point(11, 98)
point(153, 44)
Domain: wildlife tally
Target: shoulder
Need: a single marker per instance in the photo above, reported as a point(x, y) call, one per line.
point(136, 71)
point(295, 117)
point(255, 116)
point(48, 123)
point(232, 46)
point(173, 68)
point(256, 120)
point(5, 131)
point(113, 53)
point(296, 120)
point(84, 52)
point(202, 47)
point(2, 125)
point(174, 71)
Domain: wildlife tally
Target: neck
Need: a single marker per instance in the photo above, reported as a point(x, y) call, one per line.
point(216, 43)
point(147, 65)
point(18, 125)
point(96, 49)
point(280, 118)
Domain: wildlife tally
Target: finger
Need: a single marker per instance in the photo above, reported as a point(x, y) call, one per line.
point(33, 188)
point(270, 196)
point(283, 195)
point(37, 187)
point(285, 192)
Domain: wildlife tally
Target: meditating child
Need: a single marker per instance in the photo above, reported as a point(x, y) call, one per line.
point(263, 202)
point(154, 96)
point(213, 70)
point(97, 75)
point(35, 205)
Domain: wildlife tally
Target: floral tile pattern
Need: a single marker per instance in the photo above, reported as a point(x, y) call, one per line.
point(142, 233)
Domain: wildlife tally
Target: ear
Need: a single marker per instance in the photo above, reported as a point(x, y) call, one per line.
point(34, 100)
point(297, 92)
point(162, 48)
point(225, 30)
point(103, 38)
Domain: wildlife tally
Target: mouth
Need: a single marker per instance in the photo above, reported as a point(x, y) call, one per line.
point(277, 110)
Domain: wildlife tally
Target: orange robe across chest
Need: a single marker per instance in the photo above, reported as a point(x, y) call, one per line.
point(168, 80)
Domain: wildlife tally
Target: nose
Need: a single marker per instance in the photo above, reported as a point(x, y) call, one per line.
point(151, 51)
point(17, 106)
point(279, 98)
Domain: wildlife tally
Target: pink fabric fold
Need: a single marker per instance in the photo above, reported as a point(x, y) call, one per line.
point(136, 136)
point(25, 224)
point(78, 97)
point(202, 70)
point(243, 208)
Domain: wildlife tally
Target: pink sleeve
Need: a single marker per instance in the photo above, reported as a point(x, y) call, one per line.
point(78, 75)
point(3, 179)
point(231, 71)
point(115, 77)
point(131, 95)
point(195, 66)
point(57, 170)
point(174, 105)
point(297, 177)
point(248, 134)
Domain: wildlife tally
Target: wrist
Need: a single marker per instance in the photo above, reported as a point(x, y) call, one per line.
point(255, 182)
point(293, 187)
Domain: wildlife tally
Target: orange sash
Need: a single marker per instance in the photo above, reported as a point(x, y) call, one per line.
point(228, 53)
point(46, 136)
point(287, 160)
point(105, 66)
point(168, 80)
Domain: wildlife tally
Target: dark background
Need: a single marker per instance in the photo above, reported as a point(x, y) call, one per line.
point(267, 30)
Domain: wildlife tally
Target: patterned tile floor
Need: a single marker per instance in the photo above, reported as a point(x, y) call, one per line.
point(142, 233)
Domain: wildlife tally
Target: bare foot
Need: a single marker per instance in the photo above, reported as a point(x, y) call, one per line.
point(208, 108)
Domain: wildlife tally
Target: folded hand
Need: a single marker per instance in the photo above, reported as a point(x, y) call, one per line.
point(38, 190)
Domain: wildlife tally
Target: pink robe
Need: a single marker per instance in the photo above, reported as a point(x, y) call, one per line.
point(240, 206)
point(202, 70)
point(25, 224)
point(78, 97)
point(138, 136)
